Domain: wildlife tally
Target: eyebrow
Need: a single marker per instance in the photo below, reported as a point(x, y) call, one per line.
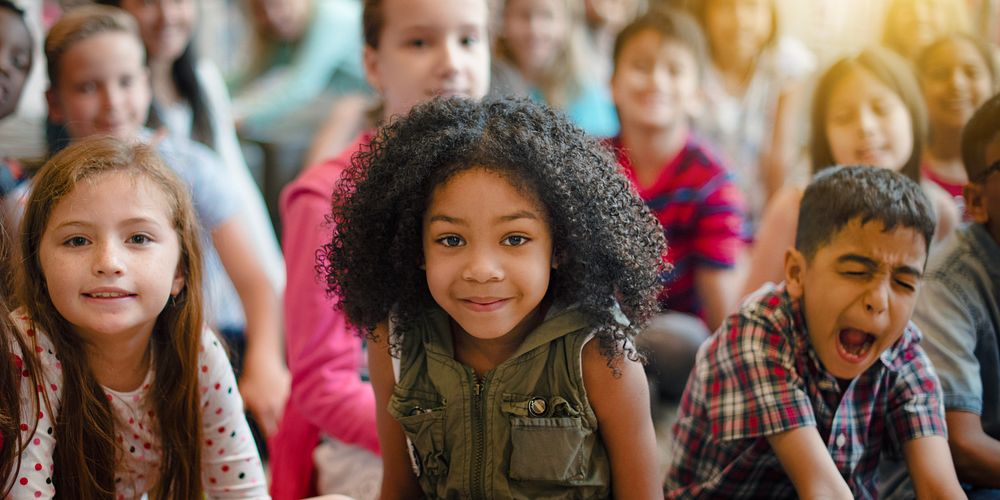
point(520, 214)
point(126, 222)
point(872, 264)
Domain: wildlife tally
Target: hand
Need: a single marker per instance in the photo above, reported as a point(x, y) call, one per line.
point(264, 385)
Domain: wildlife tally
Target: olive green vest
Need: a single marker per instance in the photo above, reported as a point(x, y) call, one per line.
point(525, 430)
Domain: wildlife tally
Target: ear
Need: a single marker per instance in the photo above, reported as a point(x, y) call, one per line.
point(370, 60)
point(56, 114)
point(975, 203)
point(795, 269)
point(179, 281)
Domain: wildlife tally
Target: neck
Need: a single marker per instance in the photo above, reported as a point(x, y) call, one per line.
point(483, 355)
point(945, 143)
point(162, 80)
point(735, 72)
point(649, 148)
point(119, 364)
point(945, 159)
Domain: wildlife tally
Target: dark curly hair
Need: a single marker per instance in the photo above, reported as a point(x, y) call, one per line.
point(608, 245)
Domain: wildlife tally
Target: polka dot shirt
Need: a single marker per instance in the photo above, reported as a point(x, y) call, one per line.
point(231, 467)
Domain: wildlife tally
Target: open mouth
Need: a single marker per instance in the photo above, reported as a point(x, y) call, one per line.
point(854, 345)
point(108, 295)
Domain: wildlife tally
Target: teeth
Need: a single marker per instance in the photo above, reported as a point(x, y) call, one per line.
point(107, 295)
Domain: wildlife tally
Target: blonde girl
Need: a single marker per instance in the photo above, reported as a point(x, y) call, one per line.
point(141, 398)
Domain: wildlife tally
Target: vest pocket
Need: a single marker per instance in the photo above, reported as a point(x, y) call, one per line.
point(422, 419)
point(553, 446)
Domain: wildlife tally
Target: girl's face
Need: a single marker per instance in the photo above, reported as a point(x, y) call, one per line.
point(535, 32)
point(284, 20)
point(429, 48)
point(15, 60)
point(956, 81)
point(103, 87)
point(913, 24)
point(655, 83)
point(738, 29)
point(487, 254)
point(867, 123)
point(166, 25)
point(110, 257)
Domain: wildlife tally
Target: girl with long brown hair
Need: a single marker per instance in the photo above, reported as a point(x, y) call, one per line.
point(141, 398)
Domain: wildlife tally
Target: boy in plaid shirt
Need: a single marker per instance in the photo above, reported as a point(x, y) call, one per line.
point(801, 390)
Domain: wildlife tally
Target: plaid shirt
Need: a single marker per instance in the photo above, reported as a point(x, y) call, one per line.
point(759, 376)
point(703, 217)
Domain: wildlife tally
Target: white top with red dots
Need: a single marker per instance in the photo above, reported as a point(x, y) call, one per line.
point(231, 467)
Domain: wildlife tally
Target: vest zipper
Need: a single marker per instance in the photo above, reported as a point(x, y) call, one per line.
point(479, 428)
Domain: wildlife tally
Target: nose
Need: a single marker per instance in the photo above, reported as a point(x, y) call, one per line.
point(876, 299)
point(112, 97)
point(449, 58)
point(867, 121)
point(108, 260)
point(482, 266)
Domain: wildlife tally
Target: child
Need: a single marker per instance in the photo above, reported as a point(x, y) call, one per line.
point(754, 90)
point(802, 389)
point(508, 242)
point(98, 85)
point(325, 355)
point(866, 110)
point(910, 25)
point(539, 53)
point(957, 74)
point(139, 393)
point(959, 313)
point(655, 85)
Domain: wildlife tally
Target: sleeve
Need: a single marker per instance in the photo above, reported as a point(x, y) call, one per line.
point(951, 336)
point(915, 408)
point(199, 167)
point(231, 467)
point(332, 41)
point(324, 353)
point(33, 475)
point(750, 382)
point(720, 239)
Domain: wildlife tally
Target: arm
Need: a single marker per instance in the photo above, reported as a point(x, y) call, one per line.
point(265, 380)
point(976, 454)
point(948, 218)
point(345, 119)
point(931, 468)
point(398, 480)
point(808, 464)
point(231, 467)
point(627, 434)
point(718, 291)
point(324, 353)
point(720, 248)
point(780, 153)
point(775, 235)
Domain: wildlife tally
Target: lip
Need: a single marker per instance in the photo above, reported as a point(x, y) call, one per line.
point(484, 304)
point(871, 154)
point(449, 93)
point(107, 293)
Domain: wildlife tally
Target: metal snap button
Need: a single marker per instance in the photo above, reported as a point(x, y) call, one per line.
point(416, 411)
point(537, 407)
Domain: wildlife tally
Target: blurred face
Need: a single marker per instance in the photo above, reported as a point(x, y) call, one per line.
point(956, 81)
point(857, 293)
point(982, 199)
point(535, 32)
point(429, 48)
point(15, 60)
point(488, 254)
point(103, 87)
point(110, 257)
point(867, 123)
point(614, 14)
point(166, 25)
point(655, 83)
point(913, 24)
point(284, 20)
point(738, 29)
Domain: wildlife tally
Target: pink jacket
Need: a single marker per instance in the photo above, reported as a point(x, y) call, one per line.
point(324, 352)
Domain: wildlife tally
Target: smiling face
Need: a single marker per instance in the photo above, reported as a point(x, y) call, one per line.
point(15, 60)
point(857, 292)
point(110, 257)
point(535, 32)
point(738, 29)
point(912, 24)
point(103, 87)
point(166, 25)
point(487, 253)
point(655, 83)
point(867, 123)
point(429, 48)
point(955, 80)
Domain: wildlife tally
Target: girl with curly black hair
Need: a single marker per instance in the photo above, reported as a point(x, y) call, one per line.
point(483, 246)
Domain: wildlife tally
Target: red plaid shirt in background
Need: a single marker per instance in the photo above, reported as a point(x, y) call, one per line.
point(759, 376)
point(703, 217)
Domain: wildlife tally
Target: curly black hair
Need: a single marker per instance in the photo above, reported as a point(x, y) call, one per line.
point(608, 245)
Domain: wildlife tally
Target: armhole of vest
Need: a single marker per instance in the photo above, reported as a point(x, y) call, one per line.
point(395, 360)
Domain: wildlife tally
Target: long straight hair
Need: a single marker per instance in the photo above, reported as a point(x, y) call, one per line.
point(86, 450)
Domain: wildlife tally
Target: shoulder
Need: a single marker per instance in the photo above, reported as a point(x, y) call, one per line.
point(322, 177)
point(906, 350)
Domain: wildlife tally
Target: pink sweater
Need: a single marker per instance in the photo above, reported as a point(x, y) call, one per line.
point(324, 353)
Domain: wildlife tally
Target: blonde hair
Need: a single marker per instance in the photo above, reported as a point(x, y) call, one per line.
point(82, 23)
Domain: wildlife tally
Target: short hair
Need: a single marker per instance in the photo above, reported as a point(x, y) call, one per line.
point(979, 131)
point(894, 73)
point(671, 25)
point(608, 246)
point(81, 23)
point(839, 195)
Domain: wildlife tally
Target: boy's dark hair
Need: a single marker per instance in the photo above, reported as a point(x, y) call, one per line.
point(671, 25)
point(893, 72)
point(979, 131)
point(607, 244)
point(838, 195)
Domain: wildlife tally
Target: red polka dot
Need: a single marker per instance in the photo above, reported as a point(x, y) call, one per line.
point(147, 446)
point(54, 387)
point(39, 349)
point(211, 480)
point(221, 430)
point(23, 481)
point(208, 442)
point(225, 468)
point(41, 415)
point(38, 494)
point(24, 427)
point(25, 373)
point(31, 332)
point(38, 466)
point(204, 368)
point(18, 361)
point(217, 386)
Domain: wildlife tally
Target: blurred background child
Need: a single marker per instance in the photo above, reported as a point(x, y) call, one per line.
point(910, 25)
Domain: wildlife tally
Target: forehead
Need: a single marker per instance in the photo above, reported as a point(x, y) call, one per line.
point(858, 84)
point(649, 42)
point(109, 50)
point(899, 246)
point(953, 52)
point(434, 14)
point(485, 186)
point(13, 29)
point(136, 192)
